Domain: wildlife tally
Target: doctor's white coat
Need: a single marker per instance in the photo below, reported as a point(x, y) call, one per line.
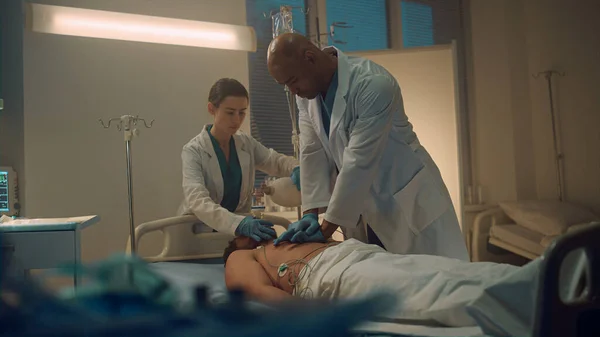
point(372, 168)
point(203, 183)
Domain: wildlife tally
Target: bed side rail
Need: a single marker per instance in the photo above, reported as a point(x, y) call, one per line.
point(481, 232)
point(554, 317)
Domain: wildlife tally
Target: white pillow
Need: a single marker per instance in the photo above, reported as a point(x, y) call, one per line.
point(547, 217)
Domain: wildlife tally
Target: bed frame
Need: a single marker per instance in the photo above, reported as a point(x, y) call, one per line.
point(553, 317)
point(483, 247)
point(181, 243)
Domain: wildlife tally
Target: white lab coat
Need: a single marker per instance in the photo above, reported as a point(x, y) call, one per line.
point(203, 183)
point(386, 178)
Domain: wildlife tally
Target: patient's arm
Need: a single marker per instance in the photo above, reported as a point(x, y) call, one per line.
point(242, 271)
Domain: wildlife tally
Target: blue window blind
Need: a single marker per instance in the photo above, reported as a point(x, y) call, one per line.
point(368, 19)
point(417, 24)
point(431, 22)
point(269, 113)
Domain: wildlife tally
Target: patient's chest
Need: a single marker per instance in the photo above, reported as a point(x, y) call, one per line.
point(284, 263)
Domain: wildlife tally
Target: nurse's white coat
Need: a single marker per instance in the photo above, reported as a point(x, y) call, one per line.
point(203, 182)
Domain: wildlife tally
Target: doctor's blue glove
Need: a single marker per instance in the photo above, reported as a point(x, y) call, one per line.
point(306, 229)
point(258, 230)
point(296, 177)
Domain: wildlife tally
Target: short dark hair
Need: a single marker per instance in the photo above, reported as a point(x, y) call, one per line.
point(231, 247)
point(224, 88)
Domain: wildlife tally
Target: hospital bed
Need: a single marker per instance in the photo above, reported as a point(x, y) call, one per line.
point(190, 259)
point(205, 251)
point(524, 228)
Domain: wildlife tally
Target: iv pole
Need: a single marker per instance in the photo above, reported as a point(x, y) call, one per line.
point(282, 22)
point(558, 153)
point(128, 124)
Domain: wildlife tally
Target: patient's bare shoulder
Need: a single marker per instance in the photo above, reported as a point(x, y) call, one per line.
point(242, 270)
point(236, 260)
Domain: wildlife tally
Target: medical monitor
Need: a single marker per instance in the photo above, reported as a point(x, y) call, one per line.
point(9, 192)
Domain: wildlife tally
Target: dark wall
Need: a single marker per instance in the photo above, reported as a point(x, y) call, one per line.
point(11, 87)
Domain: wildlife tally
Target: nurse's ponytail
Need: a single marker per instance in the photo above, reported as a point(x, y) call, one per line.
point(224, 88)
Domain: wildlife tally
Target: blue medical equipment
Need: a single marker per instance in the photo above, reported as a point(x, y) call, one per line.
point(9, 192)
point(296, 177)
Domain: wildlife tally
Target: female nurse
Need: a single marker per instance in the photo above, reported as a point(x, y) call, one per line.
point(219, 166)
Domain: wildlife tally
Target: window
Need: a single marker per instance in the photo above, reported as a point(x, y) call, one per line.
point(269, 113)
point(417, 24)
point(368, 19)
point(429, 22)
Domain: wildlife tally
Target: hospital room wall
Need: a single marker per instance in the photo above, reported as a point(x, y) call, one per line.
point(511, 141)
point(73, 165)
point(11, 75)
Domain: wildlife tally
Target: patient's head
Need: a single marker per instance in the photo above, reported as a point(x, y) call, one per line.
point(239, 243)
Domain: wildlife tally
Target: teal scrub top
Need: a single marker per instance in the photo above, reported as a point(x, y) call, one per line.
point(231, 172)
point(327, 103)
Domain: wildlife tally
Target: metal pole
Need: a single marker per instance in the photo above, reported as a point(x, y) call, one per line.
point(282, 22)
point(128, 124)
point(555, 135)
point(559, 156)
point(295, 137)
point(130, 195)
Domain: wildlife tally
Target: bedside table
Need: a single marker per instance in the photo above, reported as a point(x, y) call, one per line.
point(43, 243)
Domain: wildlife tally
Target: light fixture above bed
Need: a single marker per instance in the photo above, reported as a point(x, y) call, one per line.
point(141, 28)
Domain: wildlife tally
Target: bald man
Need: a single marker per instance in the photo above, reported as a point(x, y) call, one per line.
point(361, 162)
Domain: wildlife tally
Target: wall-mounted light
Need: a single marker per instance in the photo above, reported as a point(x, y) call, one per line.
point(142, 28)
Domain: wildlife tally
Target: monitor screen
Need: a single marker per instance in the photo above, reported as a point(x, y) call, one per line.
point(4, 188)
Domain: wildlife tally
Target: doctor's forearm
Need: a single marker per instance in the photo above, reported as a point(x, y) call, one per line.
point(327, 228)
point(314, 211)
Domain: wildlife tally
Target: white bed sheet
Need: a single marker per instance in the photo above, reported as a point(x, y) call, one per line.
point(417, 330)
point(427, 288)
point(186, 276)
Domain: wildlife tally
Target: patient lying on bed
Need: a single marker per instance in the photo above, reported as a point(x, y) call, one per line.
point(430, 289)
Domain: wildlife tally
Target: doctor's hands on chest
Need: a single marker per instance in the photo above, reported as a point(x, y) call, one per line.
point(258, 230)
point(304, 230)
point(307, 229)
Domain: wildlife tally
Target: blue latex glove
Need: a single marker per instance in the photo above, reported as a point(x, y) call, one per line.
point(306, 229)
point(258, 230)
point(296, 177)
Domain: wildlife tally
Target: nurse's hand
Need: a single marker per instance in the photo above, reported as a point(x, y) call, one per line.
point(306, 229)
point(258, 230)
point(296, 177)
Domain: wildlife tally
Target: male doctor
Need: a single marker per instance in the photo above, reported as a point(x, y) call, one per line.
point(360, 159)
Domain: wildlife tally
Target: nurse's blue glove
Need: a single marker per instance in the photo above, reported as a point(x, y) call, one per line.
point(296, 177)
point(258, 230)
point(306, 229)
